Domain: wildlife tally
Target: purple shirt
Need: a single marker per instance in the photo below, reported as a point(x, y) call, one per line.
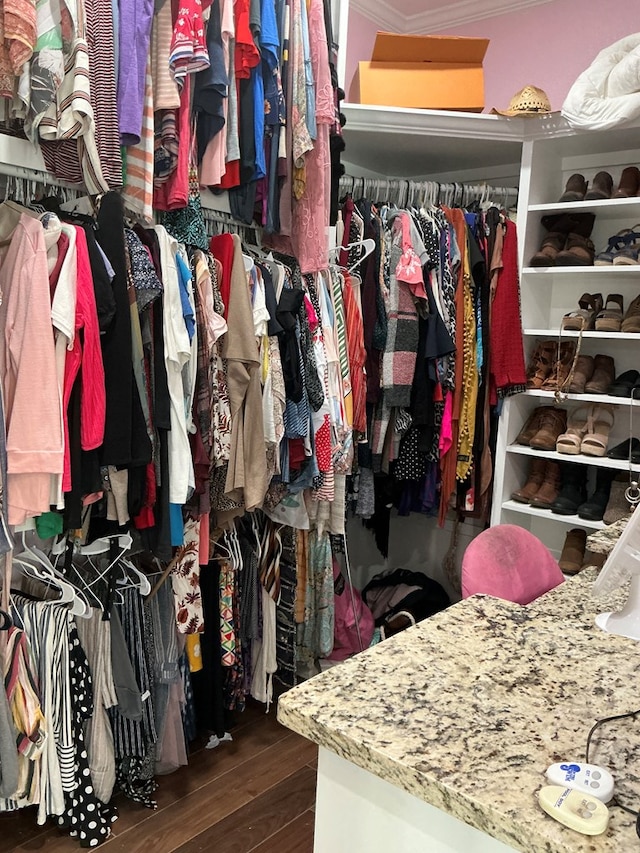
point(134, 35)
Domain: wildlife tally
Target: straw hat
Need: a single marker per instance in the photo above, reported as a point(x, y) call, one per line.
point(529, 101)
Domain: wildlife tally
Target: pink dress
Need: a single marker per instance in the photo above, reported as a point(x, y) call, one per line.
point(311, 212)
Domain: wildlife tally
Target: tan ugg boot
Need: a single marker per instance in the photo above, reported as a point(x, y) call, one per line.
point(575, 189)
point(579, 251)
point(572, 557)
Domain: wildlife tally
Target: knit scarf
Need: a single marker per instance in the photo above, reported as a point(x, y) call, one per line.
point(507, 364)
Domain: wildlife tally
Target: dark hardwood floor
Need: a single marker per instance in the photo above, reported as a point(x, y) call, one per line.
point(255, 794)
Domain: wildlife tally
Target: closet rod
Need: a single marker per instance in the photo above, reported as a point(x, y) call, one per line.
point(405, 193)
point(225, 219)
point(39, 176)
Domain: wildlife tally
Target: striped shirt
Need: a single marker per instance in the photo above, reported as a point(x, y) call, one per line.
point(71, 117)
point(138, 190)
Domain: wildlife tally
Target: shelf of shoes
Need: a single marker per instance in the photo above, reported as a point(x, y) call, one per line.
point(611, 271)
point(552, 334)
point(553, 455)
point(550, 292)
point(583, 398)
point(610, 208)
point(546, 514)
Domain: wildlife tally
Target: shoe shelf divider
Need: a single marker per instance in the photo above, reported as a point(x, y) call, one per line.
point(551, 153)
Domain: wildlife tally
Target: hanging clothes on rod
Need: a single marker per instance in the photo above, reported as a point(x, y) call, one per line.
point(440, 303)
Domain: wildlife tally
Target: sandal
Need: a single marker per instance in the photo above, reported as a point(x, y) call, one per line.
point(577, 423)
point(629, 256)
point(615, 245)
point(599, 425)
point(610, 318)
point(584, 318)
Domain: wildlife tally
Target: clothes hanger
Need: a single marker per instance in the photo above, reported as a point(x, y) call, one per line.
point(368, 244)
point(142, 581)
point(97, 546)
point(234, 547)
point(34, 556)
point(67, 591)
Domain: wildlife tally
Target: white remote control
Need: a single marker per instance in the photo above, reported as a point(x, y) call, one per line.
point(589, 778)
point(578, 811)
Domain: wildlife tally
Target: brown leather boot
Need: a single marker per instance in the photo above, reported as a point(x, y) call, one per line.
point(534, 481)
point(572, 557)
point(531, 426)
point(578, 252)
point(552, 424)
point(541, 363)
point(550, 488)
point(601, 187)
point(629, 183)
point(546, 255)
point(557, 378)
point(631, 322)
point(575, 189)
point(585, 365)
point(604, 372)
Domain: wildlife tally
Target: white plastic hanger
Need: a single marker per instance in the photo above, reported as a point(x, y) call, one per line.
point(143, 583)
point(368, 244)
point(38, 560)
point(67, 591)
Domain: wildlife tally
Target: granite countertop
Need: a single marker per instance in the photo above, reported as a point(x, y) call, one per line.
point(467, 709)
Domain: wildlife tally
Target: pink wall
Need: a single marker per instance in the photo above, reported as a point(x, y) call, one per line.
point(360, 39)
point(547, 46)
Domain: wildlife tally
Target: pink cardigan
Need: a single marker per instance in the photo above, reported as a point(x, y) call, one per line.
point(28, 372)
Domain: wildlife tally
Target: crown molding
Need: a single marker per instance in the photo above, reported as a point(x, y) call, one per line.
point(440, 18)
point(381, 13)
point(464, 12)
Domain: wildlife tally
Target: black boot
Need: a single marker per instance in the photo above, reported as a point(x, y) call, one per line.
point(573, 491)
point(593, 509)
point(570, 223)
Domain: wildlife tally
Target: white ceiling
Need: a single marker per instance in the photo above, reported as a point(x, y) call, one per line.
point(429, 16)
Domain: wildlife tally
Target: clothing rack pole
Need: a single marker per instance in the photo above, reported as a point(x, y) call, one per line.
point(39, 176)
point(223, 218)
point(406, 192)
point(6, 580)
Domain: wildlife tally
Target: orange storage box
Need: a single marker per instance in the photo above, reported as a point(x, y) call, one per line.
point(427, 72)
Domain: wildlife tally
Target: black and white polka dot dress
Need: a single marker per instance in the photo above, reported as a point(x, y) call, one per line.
point(86, 817)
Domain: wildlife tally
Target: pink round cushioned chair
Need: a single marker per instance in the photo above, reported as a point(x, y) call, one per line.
point(509, 562)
